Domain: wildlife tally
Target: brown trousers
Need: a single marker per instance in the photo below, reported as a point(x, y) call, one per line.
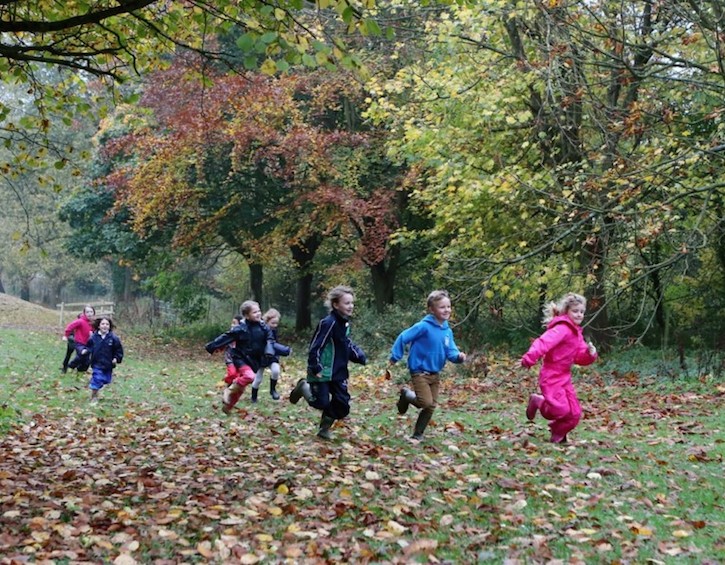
point(426, 386)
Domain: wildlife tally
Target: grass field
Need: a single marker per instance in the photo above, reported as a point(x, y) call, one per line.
point(156, 473)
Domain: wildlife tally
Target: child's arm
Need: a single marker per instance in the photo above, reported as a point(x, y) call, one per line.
point(224, 339)
point(544, 343)
point(282, 350)
point(586, 356)
point(319, 339)
point(404, 338)
point(118, 354)
point(356, 354)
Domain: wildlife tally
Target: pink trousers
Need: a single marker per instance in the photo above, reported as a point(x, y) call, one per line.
point(561, 406)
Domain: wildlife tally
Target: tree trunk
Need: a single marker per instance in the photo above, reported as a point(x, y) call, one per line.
point(25, 290)
point(256, 281)
point(595, 254)
point(383, 276)
point(303, 255)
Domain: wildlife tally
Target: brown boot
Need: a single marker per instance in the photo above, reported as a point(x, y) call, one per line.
point(230, 396)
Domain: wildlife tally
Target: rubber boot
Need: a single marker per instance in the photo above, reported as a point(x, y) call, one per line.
point(230, 396)
point(273, 389)
point(325, 425)
point(421, 424)
point(255, 392)
point(535, 402)
point(302, 388)
point(406, 397)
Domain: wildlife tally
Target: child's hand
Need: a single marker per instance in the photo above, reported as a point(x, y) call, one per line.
point(64, 338)
point(462, 357)
point(525, 363)
point(591, 348)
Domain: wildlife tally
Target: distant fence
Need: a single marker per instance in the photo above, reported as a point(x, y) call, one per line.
point(74, 308)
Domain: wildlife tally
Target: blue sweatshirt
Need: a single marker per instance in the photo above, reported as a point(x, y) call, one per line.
point(431, 345)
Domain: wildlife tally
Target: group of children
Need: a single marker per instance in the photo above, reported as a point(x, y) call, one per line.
point(95, 345)
point(251, 345)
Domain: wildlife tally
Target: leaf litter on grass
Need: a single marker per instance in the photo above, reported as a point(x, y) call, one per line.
point(641, 480)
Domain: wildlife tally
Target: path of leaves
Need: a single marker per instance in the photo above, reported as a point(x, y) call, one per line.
point(258, 487)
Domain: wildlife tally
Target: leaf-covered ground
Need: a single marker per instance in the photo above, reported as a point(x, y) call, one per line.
point(155, 473)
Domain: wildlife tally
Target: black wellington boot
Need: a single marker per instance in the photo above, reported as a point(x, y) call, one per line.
point(273, 389)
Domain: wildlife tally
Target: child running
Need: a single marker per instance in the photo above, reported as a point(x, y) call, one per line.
point(80, 331)
point(105, 351)
point(252, 341)
point(272, 318)
point(431, 345)
point(561, 345)
point(228, 354)
point(329, 353)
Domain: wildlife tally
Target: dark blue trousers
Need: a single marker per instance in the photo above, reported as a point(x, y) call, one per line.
point(332, 398)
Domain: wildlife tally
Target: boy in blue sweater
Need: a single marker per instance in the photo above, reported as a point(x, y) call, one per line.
point(431, 345)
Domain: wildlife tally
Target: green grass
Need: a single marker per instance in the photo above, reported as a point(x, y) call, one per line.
point(156, 471)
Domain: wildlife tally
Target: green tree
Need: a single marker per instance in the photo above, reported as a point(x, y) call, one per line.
point(561, 146)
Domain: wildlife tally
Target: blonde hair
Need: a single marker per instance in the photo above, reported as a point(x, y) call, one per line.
point(247, 306)
point(435, 297)
point(334, 296)
point(553, 309)
point(271, 313)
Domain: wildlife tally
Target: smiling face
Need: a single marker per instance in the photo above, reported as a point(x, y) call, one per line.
point(344, 305)
point(576, 313)
point(104, 326)
point(254, 314)
point(441, 309)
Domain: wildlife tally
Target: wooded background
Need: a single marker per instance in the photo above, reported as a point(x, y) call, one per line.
point(507, 151)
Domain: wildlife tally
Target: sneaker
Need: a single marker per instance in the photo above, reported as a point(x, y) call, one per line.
point(535, 402)
point(296, 394)
point(403, 401)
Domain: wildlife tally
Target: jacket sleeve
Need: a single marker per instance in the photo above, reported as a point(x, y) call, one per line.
point(282, 350)
point(223, 340)
point(544, 343)
point(583, 357)
point(269, 336)
point(319, 339)
point(453, 354)
point(71, 327)
point(355, 353)
point(404, 338)
point(118, 353)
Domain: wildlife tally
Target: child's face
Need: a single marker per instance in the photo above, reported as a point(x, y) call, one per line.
point(441, 309)
point(89, 312)
point(576, 313)
point(104, 326)
point(254, 315)
point(273, 322)
point(345, 305)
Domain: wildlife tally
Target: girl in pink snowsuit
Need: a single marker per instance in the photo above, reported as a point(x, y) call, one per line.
point(561, 345)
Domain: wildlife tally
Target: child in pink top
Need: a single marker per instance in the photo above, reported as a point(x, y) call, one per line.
point(562, 345)
point(81, 329)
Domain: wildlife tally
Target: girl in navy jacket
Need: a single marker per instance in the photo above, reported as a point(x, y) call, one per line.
point(105, 351)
